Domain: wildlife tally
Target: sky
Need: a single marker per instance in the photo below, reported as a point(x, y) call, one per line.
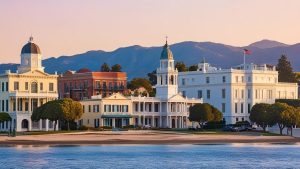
point(67, 27)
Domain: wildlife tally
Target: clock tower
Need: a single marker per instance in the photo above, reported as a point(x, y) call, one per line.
point(31, 58)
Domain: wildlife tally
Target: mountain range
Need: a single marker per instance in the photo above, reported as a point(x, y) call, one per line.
point(137, 61)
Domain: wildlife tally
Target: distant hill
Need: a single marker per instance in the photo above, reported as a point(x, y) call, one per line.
point(137, 61)
point(263, 44)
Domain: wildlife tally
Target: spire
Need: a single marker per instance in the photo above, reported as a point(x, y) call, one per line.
point(166, 40)
point(203, 60)
point(31, 39)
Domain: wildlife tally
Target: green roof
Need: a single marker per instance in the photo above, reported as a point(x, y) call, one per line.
point(166, 53)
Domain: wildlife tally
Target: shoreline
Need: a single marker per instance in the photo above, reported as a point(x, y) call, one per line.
point(143, 138)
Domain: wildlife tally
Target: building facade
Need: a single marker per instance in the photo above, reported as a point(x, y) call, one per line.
point(25, 90)
point(168, 109)
point(84, 84)
point(234, 91)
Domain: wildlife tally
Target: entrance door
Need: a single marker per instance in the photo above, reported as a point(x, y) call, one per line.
point(118, 123)
point(173, 123)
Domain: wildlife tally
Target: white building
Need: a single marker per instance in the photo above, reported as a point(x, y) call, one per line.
point(28, 88)
point(167, 110)
point(234, 91)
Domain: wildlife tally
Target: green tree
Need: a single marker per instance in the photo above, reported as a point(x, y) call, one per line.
point(72, 110)
point(152, 77)
point(260, 115)
point(51, 110)
point(180, 66)
point(116, 68)
point(281, 114)
point(105, 67)
point(5, 117)
point(140, 82)
point(285, 70)
point(193, 68)
point(203, 113)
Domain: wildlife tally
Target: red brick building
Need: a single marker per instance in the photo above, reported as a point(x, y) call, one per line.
point(84, 83)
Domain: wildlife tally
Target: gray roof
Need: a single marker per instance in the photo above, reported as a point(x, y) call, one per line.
point(31, 48)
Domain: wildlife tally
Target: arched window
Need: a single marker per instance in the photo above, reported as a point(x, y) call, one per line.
point(24, 124)
point(34, 87)
point(172, 80)
point(161, 80)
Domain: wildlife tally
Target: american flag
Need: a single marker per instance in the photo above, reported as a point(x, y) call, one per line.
point(247, 52)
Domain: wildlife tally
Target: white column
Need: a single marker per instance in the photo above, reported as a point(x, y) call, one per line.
point(47, 125)
point(140, 120)
point(17, 107)
point(170, 122)
point(152, 121)
point(144, 120)
point(160, 121)
point(167, 120)
point(29, 104)
point(113, 123)
point(101, 121)
point(41, 125)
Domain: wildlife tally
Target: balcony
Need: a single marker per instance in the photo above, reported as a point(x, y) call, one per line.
point(41, 94)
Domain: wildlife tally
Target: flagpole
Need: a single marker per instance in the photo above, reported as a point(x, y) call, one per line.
point(244, 60)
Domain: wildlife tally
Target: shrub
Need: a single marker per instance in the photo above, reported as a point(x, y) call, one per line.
point(83, 128)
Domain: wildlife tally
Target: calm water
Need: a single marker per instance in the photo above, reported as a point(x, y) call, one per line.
point(152, 156)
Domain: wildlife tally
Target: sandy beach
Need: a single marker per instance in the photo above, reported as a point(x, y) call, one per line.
point(142, 137)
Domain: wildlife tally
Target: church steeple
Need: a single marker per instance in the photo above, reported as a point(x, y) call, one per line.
point(167, 75)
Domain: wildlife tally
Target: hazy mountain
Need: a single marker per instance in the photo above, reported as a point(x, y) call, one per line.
point(263, 44)
point(137, 61)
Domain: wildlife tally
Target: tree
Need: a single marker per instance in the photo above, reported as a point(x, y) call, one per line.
point(202, 113)
point(281, 114)
point(140, 82)
point(105, 67)
point(152, 77)
point(72, 110)
point(51, 110)
point(285, 70)
point(180, 66)
point(5, 117)
point(260, 115)
point(193, 68)
point(116, 68)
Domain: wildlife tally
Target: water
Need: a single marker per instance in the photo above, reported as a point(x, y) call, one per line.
point(152, 156)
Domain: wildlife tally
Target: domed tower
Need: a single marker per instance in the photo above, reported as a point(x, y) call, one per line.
point(31, 58)
point(167, 75)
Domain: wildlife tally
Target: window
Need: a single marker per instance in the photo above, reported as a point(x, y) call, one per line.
point(6, 86)
point(224, 79)
point(199, 94)
point(235, 107)
point(16, 85)
point(183, 94)
point(242, 107)
point(51, 87)
point(249, 93)
point(89, 108)
point(242, 93)
point(236, 93)
point(249, 107)
point(98, 84)
point(41, 86)
point(207, 79)
point(243, 79)
point(236, 119)
point(223, 93)
point(208, 94)
point(2, 105)
point(236, 79)
point(249, 79)
point(26, 85)
point(6, 105)
point(34, 87)
point(3, 87)
point(223, 107)
point(183, 81)
point(26, 106)
point(156, 107)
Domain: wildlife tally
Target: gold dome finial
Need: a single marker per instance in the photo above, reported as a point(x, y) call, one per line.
point(31, 38)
